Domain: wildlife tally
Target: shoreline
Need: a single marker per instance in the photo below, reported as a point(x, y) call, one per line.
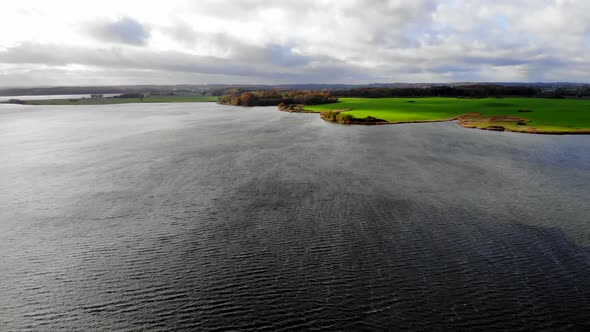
point(111, 100)
point(464, 120)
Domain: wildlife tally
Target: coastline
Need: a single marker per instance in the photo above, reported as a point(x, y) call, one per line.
point(465, 121)
point(111, 100)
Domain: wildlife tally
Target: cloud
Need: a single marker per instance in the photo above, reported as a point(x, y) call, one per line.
point(125, 30)
point(285, 56)
point(307, 41)
point(285, 63)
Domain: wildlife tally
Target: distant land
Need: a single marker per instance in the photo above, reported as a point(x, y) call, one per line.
point(122, 99)
point(539, 108)
point(217, 88)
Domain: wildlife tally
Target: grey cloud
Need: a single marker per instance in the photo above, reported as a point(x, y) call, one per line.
point(521, 59)
point(451, 69)
point(284, 56)
point(394, 12)
point(183, 33)
point(125, 30)
point(233, 47)
point(277, 54)
point(251, 8)
point(496, 61)
point(351, 41)
point(128, 59)
point(113, 58)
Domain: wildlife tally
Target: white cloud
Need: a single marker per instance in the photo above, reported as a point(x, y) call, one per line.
point(348, 41)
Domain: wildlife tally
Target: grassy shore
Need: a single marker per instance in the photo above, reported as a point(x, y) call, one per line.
point(534, 115)
point(110, 100)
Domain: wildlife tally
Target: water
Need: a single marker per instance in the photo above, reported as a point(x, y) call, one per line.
point(206, 217)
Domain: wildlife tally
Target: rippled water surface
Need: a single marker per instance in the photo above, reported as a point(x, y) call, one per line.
point(205, 217)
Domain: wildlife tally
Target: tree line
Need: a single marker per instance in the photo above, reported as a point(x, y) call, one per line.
point(468, 91)
point(242, 97)
point(274, 98)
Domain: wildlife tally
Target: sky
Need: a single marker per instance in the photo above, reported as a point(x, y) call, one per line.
point(304, 41)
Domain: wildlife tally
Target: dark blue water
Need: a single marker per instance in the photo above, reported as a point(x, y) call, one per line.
point(205, 217)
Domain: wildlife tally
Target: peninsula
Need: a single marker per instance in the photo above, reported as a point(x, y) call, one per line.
point(524, 115)
point(524, 109)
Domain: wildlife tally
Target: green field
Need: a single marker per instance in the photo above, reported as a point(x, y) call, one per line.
point(106, 101)
point(547, 115)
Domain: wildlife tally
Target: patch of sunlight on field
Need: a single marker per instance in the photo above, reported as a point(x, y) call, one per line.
point(542, 113)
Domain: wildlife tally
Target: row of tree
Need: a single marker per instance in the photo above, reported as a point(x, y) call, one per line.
point(242, 97)
point(130, 95)
point(581, 92)
point(275, 97)
point(469, 91)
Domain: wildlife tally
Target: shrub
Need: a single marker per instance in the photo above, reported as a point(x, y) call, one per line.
point(16, 101)
point(343, 117)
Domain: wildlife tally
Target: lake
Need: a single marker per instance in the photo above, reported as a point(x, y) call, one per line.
point(207, 217)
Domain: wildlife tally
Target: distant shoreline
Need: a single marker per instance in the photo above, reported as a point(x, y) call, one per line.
point(113, 100)
point(497, 114)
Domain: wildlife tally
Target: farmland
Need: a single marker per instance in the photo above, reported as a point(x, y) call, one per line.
point(534, 115)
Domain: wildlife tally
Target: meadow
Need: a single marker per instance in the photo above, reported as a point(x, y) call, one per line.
point(515, 114)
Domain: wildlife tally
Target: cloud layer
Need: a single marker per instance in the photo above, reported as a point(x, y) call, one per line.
point(304, 41)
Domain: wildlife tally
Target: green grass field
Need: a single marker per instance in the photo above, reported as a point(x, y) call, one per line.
point(549, 115)
point(106, 101)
